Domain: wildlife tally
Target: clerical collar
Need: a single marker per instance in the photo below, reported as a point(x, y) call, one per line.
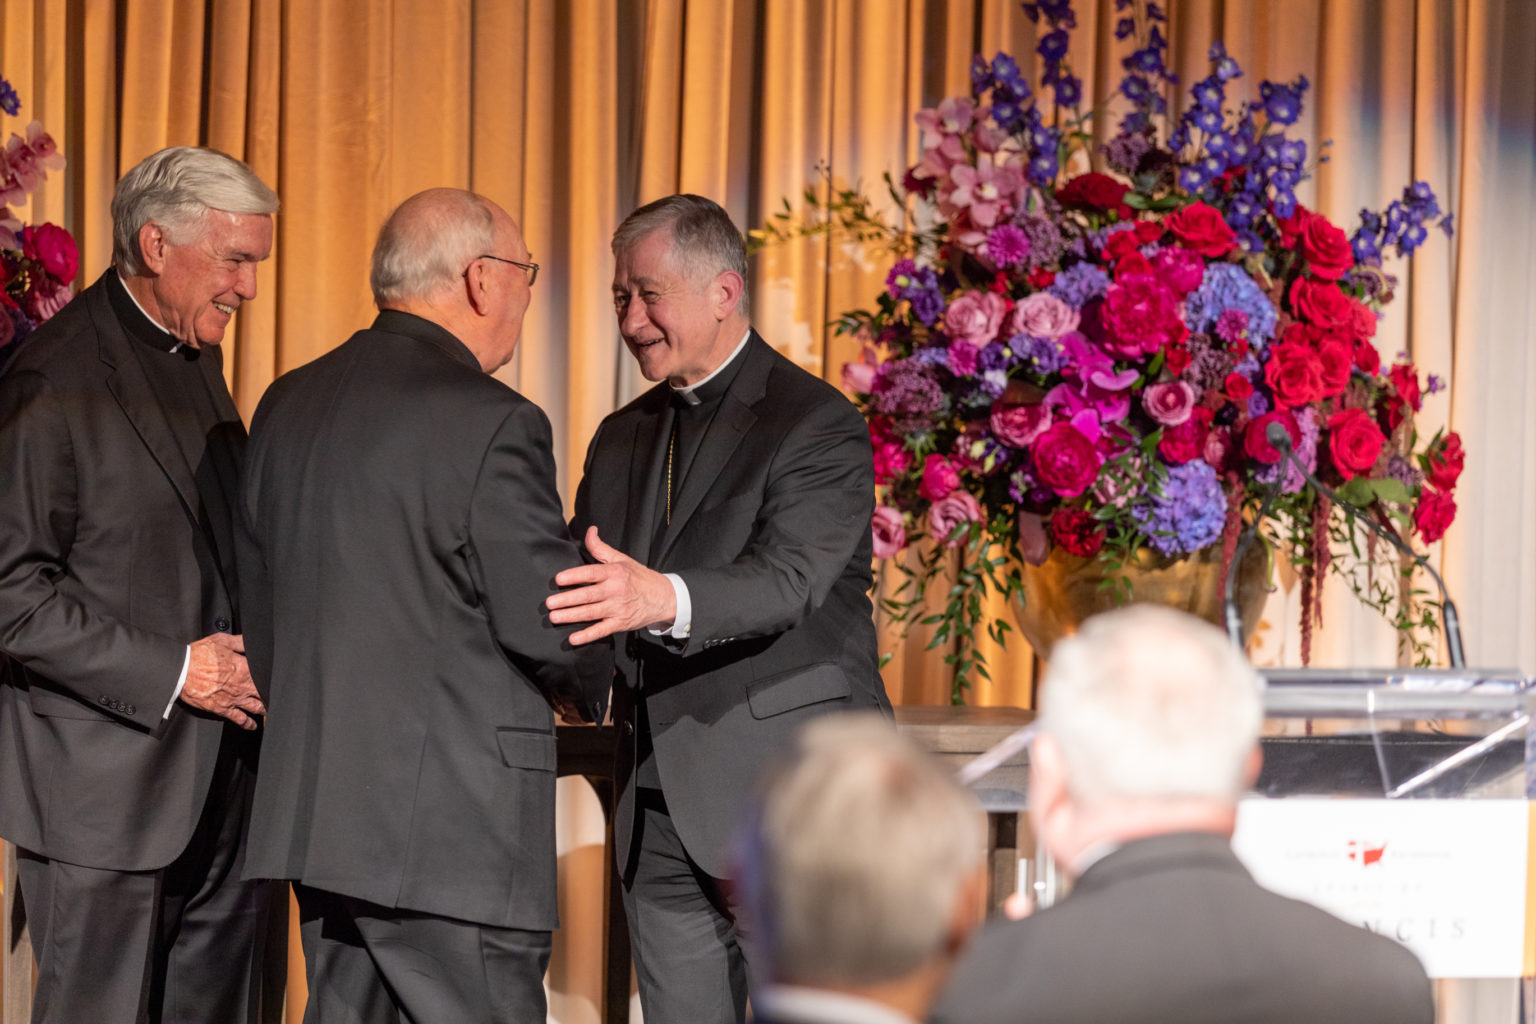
point(694, 394)
point(136, 319)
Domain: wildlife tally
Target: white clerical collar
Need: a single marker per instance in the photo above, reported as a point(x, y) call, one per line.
point(686, 393)
point(819, 1006)
point(151, 319)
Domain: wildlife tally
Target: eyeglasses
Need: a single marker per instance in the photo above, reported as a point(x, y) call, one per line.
point(532, 268)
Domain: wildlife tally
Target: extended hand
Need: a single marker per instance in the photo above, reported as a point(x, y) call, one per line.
point(219, 680)
point(616, 595)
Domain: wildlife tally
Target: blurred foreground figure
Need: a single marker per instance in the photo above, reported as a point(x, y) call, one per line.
point(1149, 732)
point(127, 713)
point(400, 531)
point(861, 873)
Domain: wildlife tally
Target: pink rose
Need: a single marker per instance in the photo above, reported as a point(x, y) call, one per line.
point(1141, 316)
point(946, 515)
point(1179, 269)
point(1169, 403)
point(1043, 315)
point(53, 247)
point(858, 378)
point(1018, 425)
point(1066, 460)
point(975, 317)
point(890, 535)
point(939, 478)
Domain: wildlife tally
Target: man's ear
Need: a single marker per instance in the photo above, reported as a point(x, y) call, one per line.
point(476, 288)
point(970, 910)
point(726, 291)
point(1252, 765)
point(152, 246)
point(1051, 809)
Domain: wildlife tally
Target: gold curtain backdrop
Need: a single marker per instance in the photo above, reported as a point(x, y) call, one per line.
point(569, 113)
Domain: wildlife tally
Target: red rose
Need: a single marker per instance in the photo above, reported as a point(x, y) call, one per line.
point(1093, 192)
point(1326, 249)
point(1238, 387)
point(1354, 441)
point(1294, 374)
point(1446, 460)
point(1066, 460)
point(1406, 380)
point(1363, 319)
point(1148, 231)
point(1176, 358)
point(1076, 531)
point(1041, 278)
point(1291, 227)
point(1186, 442)
point(1256, 444)
point(1433, 515)
point(1120, 245)
point(1201, 228)
point(1322, 303)
point(1336, 360)
point(1367, 358)
point(53, 247)
point(1132, 262)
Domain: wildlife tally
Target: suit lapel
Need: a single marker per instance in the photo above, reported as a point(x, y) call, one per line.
point(127, 383)
point(722, 437)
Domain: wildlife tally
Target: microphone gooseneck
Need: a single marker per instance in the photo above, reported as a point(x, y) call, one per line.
point(1280, 439)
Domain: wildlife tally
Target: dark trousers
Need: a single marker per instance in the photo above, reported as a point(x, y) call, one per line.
point(368, 964)
point(689, 956)
point(181, 945)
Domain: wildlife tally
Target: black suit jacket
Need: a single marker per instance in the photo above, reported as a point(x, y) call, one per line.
point(102, 561)
point(401, 532)
point(770, 532)
point(1174, 928)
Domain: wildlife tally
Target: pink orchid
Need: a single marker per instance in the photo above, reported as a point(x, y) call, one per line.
point(987, 192)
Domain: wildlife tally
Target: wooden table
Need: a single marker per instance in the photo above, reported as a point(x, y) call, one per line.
point(953, 734)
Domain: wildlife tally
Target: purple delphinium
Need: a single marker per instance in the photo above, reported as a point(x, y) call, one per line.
point(10, 102)
point(1227, 286)
point(1187, 512)
point(1079, 283)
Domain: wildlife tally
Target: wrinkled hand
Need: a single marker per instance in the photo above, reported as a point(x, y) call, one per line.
point(616, 595)
point(1018, 906)
point(219, 680)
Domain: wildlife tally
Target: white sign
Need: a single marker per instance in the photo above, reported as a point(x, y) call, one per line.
point(1447, 878)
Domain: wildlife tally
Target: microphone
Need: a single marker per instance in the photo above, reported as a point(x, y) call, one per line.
point(1280, 438)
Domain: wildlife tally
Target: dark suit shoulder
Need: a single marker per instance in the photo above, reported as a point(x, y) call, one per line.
point(66, 346)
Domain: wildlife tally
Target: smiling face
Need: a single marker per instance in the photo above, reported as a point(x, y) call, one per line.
point(193, 287)
point(679, 323)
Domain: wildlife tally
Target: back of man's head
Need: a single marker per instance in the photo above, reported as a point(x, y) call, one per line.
point(858, 860)
point(1147, 704)
point(426, 244)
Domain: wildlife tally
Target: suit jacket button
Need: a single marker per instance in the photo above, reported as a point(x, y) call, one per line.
point(629, 728)
point(130, 708)
point(221, 625)
point(104, 701)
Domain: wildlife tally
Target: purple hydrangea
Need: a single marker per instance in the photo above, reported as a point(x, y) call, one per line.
point(1187, 512)
point(1080, 283)
point(1042, 355)
point(1227, 286)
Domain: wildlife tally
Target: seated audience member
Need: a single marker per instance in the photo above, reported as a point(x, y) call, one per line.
point(861, 872)
point(1148, 736)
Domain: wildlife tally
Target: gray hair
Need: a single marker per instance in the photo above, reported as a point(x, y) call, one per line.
point(1149, 703)
point(704, 239)
point(175, 188)
point(428, 241)
point(851, 864)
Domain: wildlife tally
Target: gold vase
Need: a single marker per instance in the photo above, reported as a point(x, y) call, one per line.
point(1066, 589)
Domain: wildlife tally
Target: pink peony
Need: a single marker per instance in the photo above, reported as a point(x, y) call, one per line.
point(1141, 316)
point(1018, 425)
point(1043, 315)
point(1178, 268)
point(53, 247)
point(964, 358)
point(891, 460)
point(975, 317)
point(945, 515)
point(939, 478)
point(1169, 403)
point(889, 534)
point(1066, 460)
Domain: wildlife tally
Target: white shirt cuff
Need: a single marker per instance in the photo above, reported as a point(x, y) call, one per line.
point(181, 683)
point(682, 625)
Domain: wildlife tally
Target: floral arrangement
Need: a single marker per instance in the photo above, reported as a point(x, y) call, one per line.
point(1088, 359)
point(37, 263)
